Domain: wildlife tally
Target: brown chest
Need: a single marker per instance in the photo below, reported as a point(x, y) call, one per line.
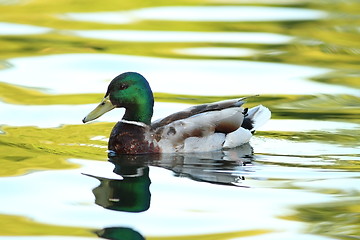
point(128, 138)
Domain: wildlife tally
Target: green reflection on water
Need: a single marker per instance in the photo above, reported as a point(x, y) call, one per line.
point(341, 137)
point(10, 93)
point(23, 149)
point(329, 42)
point(340, 107)
point(339, 219)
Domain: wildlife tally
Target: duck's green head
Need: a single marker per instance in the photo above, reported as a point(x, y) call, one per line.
point(131, 91)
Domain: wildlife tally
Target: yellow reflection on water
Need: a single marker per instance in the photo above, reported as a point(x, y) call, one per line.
point(22, 226)
point(23, 149)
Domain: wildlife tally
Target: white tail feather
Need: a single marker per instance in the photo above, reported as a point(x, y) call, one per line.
point(259, 116)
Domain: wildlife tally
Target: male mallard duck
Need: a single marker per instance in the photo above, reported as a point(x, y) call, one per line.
point(206, 127)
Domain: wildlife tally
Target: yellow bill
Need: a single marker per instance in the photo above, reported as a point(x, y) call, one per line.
point(102, 108)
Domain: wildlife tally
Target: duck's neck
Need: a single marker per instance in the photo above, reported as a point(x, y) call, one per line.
point(140, 112)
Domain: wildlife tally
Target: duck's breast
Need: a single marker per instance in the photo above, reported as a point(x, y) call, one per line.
point(129, 137)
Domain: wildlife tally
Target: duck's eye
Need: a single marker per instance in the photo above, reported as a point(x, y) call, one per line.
point(123, 86)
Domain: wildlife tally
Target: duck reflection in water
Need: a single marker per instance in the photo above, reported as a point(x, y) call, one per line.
point(226, 167)
point(131, 193)
point(119, 233)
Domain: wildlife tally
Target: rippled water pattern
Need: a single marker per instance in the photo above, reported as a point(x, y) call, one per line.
point(297, 179)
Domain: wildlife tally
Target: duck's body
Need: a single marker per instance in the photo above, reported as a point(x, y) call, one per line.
point(207, 127)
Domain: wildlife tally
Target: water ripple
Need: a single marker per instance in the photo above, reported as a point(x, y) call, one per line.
point(200, 13)
point(21, 29)
point(183, 36)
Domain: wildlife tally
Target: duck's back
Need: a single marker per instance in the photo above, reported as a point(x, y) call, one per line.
point(198, 109)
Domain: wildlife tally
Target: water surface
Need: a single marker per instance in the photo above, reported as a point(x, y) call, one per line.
point(298, 178)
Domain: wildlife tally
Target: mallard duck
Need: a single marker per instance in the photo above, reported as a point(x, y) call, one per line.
point(201, 128)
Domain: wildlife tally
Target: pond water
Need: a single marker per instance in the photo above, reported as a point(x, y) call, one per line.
point(298, 178)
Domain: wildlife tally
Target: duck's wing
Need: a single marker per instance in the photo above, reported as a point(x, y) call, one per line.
point(211, 130)
point(205, 131)
point(192, 111)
